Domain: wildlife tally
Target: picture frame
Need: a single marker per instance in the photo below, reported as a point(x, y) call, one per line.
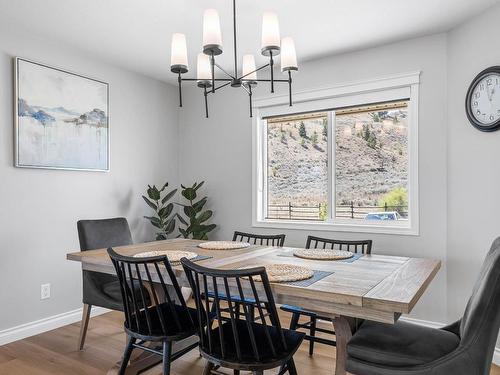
point(61, 119)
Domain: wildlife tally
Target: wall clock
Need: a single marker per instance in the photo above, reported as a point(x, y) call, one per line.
point(482, 103)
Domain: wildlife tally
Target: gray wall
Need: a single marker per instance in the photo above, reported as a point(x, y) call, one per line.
point(473, 156)
point(218, 150)
point(39, 208)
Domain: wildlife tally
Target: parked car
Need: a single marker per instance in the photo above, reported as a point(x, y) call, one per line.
point(392, 215)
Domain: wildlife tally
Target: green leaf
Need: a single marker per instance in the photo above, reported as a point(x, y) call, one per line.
point(181, 219)
point(198, 206)
point(199, 185)
point(164, 186)
point(160, 237)
point(166, 211)
point(189, 194)
point(184, 233)
point(154, 194)
point(210, 227)
point(170, 226)
point(189, 212)
point(204, 216)
point(155, 221)
point(168, 196)
point(150, 204)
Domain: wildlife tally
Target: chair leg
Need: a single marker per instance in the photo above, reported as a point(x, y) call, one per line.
point(252, 313)
point(258, 372)
point(126, 355)
point(294, 321)
point(237, 310)
point(292, 370)
point(236, 372)
point(167, 353)
point(208, 368)
point(312, 333)
point(84, 325)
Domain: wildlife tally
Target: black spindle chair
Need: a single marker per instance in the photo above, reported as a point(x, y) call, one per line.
point(260, 239)
point(363, 247)
point(235, 341)
point(162, 316)
point(255, 239)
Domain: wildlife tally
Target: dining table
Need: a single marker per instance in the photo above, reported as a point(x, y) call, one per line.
point(367, 287)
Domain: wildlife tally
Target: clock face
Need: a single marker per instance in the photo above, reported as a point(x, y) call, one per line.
point(485, 99)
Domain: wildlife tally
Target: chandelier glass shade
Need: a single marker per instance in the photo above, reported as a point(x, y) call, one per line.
point(271, 46)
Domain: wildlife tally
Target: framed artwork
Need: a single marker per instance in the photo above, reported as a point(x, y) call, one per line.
point(61, 119)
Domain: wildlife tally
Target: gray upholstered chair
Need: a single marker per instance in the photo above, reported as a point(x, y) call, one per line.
point(462, 348)
point(100, 289)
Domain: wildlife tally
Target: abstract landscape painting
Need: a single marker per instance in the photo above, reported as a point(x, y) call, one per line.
point(61, 119)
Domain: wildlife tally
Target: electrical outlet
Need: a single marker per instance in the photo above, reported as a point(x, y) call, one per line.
point(44, 291)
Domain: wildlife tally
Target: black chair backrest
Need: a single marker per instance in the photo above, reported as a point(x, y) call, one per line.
point(260, 239)
point(138, 293)
point(250, 293)
point(103, 233)
point(362, 246)
point(481, 320)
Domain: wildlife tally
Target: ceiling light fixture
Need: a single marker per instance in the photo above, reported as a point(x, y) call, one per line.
point(272, 46)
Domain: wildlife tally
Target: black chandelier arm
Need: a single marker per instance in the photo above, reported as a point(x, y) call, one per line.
point(221, 86)
point(224, 71)
point(179, 80)
point(212, 64)
point(216, 79)
point(271, 64)
point(255, 71)
point(205, 93)
point(249, 92)
point(266, 80)
point(250, 98)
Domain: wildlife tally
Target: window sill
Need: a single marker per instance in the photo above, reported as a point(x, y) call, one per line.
point(380, 228)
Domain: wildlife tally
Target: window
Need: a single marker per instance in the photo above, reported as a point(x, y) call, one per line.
point(345, 162)
point(297, 167)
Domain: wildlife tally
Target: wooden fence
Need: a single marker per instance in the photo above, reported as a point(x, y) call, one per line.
point(319, 212)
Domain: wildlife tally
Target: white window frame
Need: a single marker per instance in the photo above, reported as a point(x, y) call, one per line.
point(396, 87)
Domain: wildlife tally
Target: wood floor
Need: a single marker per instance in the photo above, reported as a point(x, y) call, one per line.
point(55, 353)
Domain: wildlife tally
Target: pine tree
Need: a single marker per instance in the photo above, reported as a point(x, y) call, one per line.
point(315, 138)
point(302, 130)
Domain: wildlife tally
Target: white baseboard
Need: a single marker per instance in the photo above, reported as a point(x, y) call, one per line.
point(47, 324)
point(427, 323)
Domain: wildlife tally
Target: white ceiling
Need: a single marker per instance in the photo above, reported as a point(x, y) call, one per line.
point(135, 34)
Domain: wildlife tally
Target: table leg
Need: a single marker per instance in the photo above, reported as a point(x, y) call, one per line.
point(343, 333)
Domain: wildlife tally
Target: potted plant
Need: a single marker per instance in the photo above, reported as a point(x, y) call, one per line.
point(163, 219)
point(196, 218)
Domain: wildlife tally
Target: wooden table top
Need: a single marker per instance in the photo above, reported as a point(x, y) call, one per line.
point(375, 287)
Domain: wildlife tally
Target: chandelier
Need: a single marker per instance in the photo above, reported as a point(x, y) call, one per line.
point(272, 46)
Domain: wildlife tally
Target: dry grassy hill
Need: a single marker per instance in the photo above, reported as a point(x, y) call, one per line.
point(371, 159)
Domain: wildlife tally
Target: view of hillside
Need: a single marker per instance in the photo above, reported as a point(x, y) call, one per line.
point(371, 161)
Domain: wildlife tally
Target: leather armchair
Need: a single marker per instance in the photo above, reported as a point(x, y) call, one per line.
point(463, 348)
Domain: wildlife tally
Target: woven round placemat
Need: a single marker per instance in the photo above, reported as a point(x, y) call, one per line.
point(173, 256)
point(282, 273)
point(223, 245)
point(323, 254)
